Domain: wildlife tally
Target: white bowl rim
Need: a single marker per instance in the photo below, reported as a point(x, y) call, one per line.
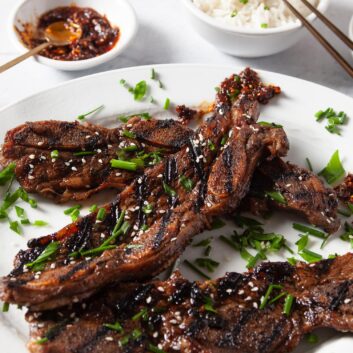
point(322, 7)
point(70, 64)
point(350, 29)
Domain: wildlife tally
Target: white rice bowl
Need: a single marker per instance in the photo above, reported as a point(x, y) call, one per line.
point(253, 13)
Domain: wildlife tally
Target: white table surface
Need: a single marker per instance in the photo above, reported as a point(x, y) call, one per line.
point(165, 37)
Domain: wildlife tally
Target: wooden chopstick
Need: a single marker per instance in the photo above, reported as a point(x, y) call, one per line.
point(329, 24)
point(334, 53)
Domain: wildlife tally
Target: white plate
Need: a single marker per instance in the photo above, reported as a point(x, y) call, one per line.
point(188, 84)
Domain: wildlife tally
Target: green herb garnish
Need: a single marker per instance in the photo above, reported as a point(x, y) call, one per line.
point(15, 226)
point(312, 338)
point(266, 297)
point(84, 153)
point(142, 314)
point(115, 327)
point(42, 340)
point(196, 269)
point(302, 242)
point(83, 116)
point(5, 307)
point(117, 163)
point(186, 183)
point(310, 256)
point(45, 256)
point(7, 173)
point(168, 190)
point(333, 170)
point(40, 223)
point(54, 154)
point(155, 349)
point(288, 303)
point(209, 305)
point(207, 263)
point(334, 120)
point(140, 90)
point(101, 214)
point(276, 196)
point(166, 104)
point(311, 231)
point(93, 208)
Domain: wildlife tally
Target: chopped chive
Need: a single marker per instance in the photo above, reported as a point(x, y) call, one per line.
point(54, 154)
point(101, 214)
point(130, 148)
point(207, 263)
point(208, 250)
point(204, 242)
point(160, 84)
point(25, 221)
point(196, 269)
point(288, 303)
point(75, 214)
point(140, 90)
point(279, 296)
point(115, 327)
point(83, 116)
point(84, 153)
point(267, 8)
point(186, 183)
point(233, 13)
point(333, 170)
point(310, 256)
point(273, 125)
point(211, 146)
point(32, 203)
point(224, 140)
point(345, 213)
point(293, 261)
point(136, 334)
point(166, 104)
point(217, 223)
point(93, 208)
point(20, 212)
point(217, 89)
point(276, 196)
point(229, 242)
point(117, 163)
point(5, 307)
point(119, 223)
point(124, 340)
point(311, 231)
point(310, 166)
point(264, 25)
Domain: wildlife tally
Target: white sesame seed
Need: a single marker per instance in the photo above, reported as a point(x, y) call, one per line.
point(251, 284)
point(118, 174)
point(241, 292)
point(100, 161)
point(187, 149)
point(160, 176)
point(31, 166)
point(255, 305)
point(88, 136)
point(161, 289)
point(255, 289)
point(108, 338)
point(83, 161)
point(67, 164)
point(148, 300)
point(32, 156)
point(31, 177)
point(99, 150)
point(247, 298)
point(139, 180)
point(74, 169)
point(229, 290)
point(347, 301)
point(40, 143)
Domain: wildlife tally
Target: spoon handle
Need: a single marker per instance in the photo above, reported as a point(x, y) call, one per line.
point(19, 59)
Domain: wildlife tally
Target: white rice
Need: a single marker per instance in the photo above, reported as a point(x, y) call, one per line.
point(253, 13)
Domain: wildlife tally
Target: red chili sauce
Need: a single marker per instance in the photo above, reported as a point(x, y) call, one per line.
point(98, 36)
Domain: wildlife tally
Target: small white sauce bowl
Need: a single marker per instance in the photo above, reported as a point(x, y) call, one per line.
point(119, 13)
point(247, 42)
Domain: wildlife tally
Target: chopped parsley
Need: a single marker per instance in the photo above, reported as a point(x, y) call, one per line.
point(312, 338)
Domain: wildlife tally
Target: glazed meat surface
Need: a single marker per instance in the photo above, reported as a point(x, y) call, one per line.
point(68, 161)
point(155, 217)
point(229, 314)
point(303, 193)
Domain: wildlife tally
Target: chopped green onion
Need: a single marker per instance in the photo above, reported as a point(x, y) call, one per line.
point(101, 214)
point(267, 8)
point(242, 221)
point(71, 209)
point(42, 340)
point(83, 116)
point(84, 153)
point(153, 74)
point(140, 90)
point(32, 203)
point(204, 242)
point(312, 338)
point(15, 226)
point(20, 212)
point(142, 314)
point(311, 231)
point(345, 213)
point(136, 334)
point(266, 297)
point(292, 261)
point(40, 223)
point(7, 173)
point(93, 208)
point(168, 190)
point(166, 104)
point(54, 154)
point(233, 13)
point(217, 223)
point(211, 146)
point(129, 134)
point(264, 25)
point(160, 84)
point(310, 166)
point(5, 307)
point(243, 1)
point(115, 327)
point(209, 305)
point(147, 209)
point(47, 253)
point(288, 303)
point(207, 263)
point(131, 148)
point(25, 221)
point(310, 256)
point(186, 183)
point(276, 196)
point(333, 170)
point(196, 269)
point(117, 163)
point(124, 340)
point(302, 242)
point(155, 349)
point(265, 123)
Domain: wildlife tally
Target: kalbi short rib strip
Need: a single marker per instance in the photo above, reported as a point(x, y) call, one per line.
point(82, 166)
point(303, 191)
point(218, 162)
point(225, 315)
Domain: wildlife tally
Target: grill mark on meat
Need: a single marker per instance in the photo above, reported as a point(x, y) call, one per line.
point(80, 266)
point(141, 192)
point(341, 294)
point(236, 326)
point(82, 237)
point(228, 160)
point(160, 234)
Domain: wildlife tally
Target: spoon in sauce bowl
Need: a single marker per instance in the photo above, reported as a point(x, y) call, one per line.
point(58, 33)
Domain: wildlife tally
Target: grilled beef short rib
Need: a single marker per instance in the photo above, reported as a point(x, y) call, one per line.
point(218, 162)
point(303, 192)
point(81, 166)
point(220, 316)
